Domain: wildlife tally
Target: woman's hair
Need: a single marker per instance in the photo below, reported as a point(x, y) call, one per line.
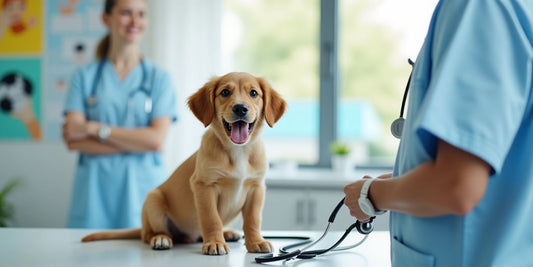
point(103, 46)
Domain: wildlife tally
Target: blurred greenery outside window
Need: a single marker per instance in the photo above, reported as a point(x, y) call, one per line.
point(280, 41)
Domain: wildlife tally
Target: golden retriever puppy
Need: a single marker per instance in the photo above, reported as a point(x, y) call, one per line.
point(221, 180)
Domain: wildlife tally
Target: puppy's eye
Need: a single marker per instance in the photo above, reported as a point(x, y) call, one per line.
point(225, 93)
point(253, 93)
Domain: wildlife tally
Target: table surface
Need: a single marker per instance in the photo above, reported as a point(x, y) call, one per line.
point(62, 247)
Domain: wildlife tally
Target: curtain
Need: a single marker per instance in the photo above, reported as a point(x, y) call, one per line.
point(183, 37)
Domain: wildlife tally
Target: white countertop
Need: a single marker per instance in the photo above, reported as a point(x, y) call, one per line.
point(316, 177)
point(62, 247)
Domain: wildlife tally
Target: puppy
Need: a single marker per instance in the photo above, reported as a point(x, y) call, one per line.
point(221, 180)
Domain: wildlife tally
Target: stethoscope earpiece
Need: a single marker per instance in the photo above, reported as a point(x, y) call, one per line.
point(396, 127)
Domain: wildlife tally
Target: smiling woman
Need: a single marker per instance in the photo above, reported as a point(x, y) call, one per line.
point(117, 114)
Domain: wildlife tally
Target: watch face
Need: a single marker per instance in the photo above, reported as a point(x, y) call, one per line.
point(103, 132)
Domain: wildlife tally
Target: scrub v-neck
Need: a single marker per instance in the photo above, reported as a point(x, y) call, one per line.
point(127, 79)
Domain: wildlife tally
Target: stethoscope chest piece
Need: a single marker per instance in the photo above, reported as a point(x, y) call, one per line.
point(148, 105)
point(365, 228)
point(396, 127)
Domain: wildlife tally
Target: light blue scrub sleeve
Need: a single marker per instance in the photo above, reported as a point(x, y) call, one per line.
point(163, 97)
point(479, 86)
point(75, 99)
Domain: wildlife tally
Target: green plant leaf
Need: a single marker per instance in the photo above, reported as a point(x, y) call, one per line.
point(339, 148)
point(7, 210)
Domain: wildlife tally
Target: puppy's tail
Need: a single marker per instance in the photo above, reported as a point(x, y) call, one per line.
point(114, 234)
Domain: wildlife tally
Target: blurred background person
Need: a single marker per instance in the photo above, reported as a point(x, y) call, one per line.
point(117, 115)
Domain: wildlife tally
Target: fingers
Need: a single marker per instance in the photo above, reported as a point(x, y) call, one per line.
point(385, 176)
point(351, 200)
point(72, 131)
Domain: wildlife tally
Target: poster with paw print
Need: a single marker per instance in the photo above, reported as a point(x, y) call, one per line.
point(20, 95)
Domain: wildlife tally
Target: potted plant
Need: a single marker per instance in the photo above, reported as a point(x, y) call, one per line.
point(340, 157)
point(7, 211)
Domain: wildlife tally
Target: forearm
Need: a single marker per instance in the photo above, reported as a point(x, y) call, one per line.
point(77, 128)
point(92, 146)
point(142, 139)
point(435, 188)
point(418, 193)
point(136, 139)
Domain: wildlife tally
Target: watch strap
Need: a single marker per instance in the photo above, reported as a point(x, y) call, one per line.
point(364, 198)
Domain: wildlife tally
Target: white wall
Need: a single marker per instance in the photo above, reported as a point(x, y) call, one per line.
point(46, 169)
point(183, 38)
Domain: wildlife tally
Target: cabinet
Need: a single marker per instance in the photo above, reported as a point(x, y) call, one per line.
point(308, 208)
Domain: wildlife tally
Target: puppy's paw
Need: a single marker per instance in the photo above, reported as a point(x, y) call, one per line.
point(259, 246)
point(215, 248)
point(161, 242)
point(231, 236)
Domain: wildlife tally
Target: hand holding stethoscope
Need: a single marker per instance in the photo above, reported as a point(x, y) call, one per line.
point(364, 228)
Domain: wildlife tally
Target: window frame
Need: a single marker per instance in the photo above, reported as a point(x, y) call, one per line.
point(329, 79)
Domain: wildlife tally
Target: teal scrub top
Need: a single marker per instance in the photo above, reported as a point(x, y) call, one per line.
point(472, 87)
point(109, 190)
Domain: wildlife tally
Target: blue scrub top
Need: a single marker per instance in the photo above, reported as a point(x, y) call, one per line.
point(109, 190)
point(471, 87)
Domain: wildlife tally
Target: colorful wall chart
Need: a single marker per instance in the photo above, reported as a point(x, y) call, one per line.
point(73, 30)
point(20, 69)
point(21, 26)
point(20, 95)
point(42, 43)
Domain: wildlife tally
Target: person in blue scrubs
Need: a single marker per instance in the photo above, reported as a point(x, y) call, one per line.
point(461, 192)
point(117, 114)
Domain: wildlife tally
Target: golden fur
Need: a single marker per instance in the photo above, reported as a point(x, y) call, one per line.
point(221, 180)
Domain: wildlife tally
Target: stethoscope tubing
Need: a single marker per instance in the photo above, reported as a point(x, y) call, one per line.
point(397, 125)
point(406, 91)
point(92, 99)
point(363, 228)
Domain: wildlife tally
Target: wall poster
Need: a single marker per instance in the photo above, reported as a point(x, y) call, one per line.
point(42, 43)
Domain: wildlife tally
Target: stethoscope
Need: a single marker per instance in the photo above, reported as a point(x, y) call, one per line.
point(396, 126)
point(144, 88)
point(363, 228)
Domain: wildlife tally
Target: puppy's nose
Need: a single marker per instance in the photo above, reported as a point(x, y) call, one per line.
point(240, 110)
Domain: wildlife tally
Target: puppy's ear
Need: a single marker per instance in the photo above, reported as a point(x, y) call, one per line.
point(273, 105)
point(202, 103)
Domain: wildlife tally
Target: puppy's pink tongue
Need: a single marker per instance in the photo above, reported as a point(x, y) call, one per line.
point(239, 132)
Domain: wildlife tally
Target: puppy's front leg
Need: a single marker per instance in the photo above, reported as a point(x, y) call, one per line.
point(251, 214)
point(210, 222)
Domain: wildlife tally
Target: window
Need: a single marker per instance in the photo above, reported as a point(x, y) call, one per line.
point(341, 66)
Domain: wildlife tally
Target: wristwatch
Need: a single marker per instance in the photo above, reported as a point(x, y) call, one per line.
point(104, 132)
point(364, 203)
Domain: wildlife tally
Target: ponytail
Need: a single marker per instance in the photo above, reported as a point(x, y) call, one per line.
point(103, 47)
